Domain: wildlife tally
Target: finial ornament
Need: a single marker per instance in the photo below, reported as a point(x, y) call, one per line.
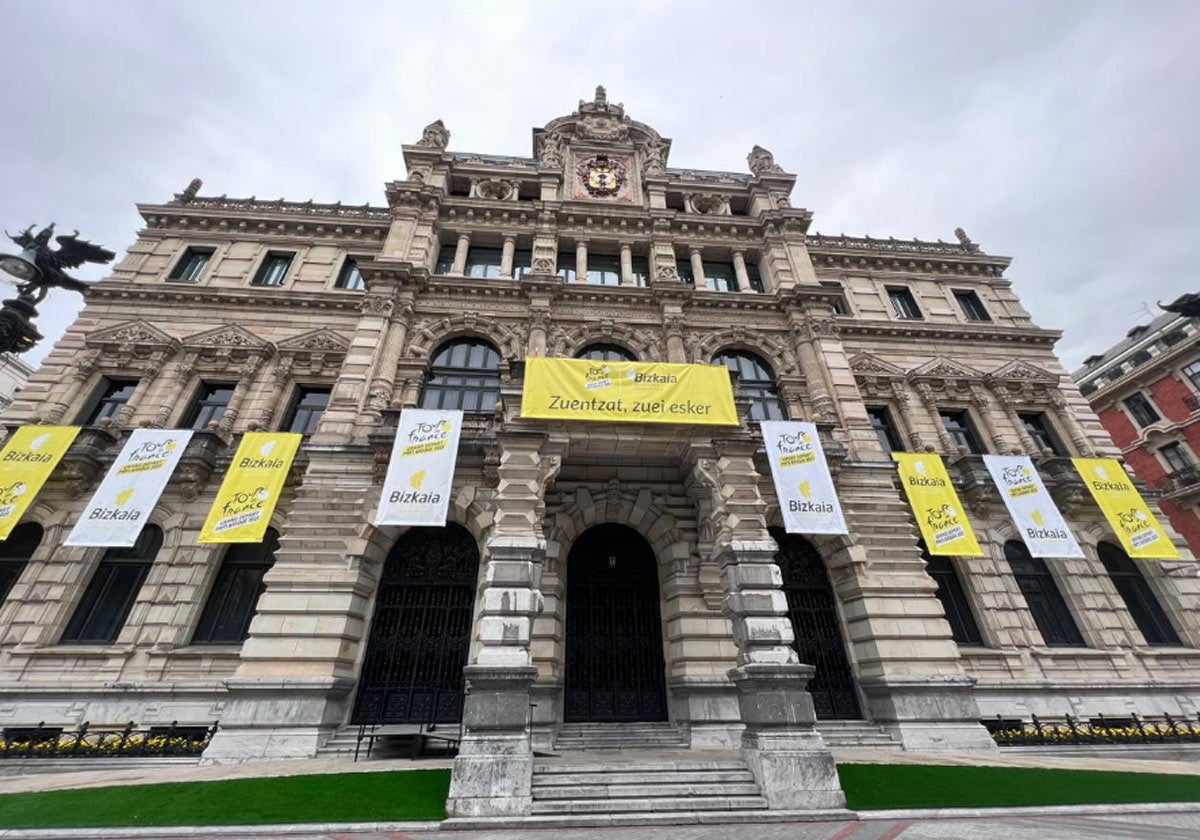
point(190, 191)
point(435, 136)
point(762, 162)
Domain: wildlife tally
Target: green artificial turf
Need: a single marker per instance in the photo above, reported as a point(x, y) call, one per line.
point(341, 797)
point(870, 786)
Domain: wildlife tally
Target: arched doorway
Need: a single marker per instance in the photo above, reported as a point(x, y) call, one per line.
point(614, 667)
point(421, 632)
point(815, 623)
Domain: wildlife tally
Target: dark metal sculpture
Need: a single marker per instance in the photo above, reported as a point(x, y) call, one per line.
point(38, 269)
point(1186, 305)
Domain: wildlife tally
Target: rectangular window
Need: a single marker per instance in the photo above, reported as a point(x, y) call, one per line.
point(445, 260)
point(604, 270)
point(235, 593)
point(1045, 602)
point(273, 269)
point(191, 265)
point(483, 262)
point(885, 429)
point(971, 305)
point(209, 406)
point(113, 395)
point(756, 282)
point(684, 269)
point(1192, 372)
point(307, 407)
point(1176, 457)
point(566, 266)
point(522, 264)
point(720, 277)
point(112, 590)
point(641, 271)
point(904, 304)
point(1038, 427)
point(950, 592)
point(962, 430)
point(350, 277)
point(1141, 410)
point(840, 307)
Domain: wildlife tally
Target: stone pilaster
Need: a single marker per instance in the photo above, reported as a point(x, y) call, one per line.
point(1067, 418)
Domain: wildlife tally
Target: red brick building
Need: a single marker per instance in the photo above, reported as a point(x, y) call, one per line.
point(1146, 391)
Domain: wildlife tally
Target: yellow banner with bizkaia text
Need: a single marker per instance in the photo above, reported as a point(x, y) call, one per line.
point(250, 491)
point(628, 392)
point(27, 460)
point(1135, 526)
point(940, 515)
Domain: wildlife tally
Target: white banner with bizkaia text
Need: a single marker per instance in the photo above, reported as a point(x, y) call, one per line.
point(122, 504)
point(1043, 529)
point(417, 488)
point(802, 481)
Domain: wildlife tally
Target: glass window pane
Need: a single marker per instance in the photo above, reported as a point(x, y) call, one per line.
point(114, 586)
point(755, 381)
point(720, 277)
point(641, 271)
point(464, 374)
point(605, 353)
point(566, 266)
point(1045, 602)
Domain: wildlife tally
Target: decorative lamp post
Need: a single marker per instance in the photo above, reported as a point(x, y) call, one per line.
point(36, 269)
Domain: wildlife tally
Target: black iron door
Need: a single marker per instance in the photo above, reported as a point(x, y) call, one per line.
point(815, 623)
point(412, 671)
point(614, 668)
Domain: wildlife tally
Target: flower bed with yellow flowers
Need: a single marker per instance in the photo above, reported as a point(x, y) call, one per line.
point(85, 742)
point(1072, 730)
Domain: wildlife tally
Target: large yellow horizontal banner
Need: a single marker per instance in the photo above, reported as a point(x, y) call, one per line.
point(1135, 526)
point(628, 392)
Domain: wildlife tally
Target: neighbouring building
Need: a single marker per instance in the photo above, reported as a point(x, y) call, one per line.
point(1146, 391)
point(613, 575)
point(14, 373)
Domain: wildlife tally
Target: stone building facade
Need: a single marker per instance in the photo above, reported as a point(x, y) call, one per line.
point(1146, 391)
point(229, 315)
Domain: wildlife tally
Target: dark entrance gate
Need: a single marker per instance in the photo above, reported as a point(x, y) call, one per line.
point(816, 626)
point(412, 671)
point(614, 668)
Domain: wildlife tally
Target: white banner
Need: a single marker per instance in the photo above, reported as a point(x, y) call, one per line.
point(802, 481)
point(122, 503)
point(417, 488)
point(1042, 527)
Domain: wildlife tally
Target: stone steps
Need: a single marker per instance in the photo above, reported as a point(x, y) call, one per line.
point(856, 734)
point(615, 789)
point(574, 737)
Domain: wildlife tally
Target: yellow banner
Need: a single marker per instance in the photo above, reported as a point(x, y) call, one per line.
point(628, 392)
point(27, 460)
point(247, 498)
point(940, 515)
point(1125, 509)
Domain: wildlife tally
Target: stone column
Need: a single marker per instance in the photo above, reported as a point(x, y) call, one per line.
point(148, 377)
point(506, 256)
point(904, 406)
point(82, 372)
point(539, 322)
point(697, 267)
point(626, 264)
point(1027, 442)
point(927, 397)
point(992, 418)
point(247, 376)
point(493, 771)
point(383, 379)
point(780, 745)
point(674, 324)
point(460, 254)
point(739, 268)
point(1063, 412)
point(806, 330)
point(581, 264)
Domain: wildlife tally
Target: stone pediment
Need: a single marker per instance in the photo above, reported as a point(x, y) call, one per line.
point(941, 368)
point(1024, 372)
point(315, 341)
point(864, 364)
point(230, 337)
point(132, 335)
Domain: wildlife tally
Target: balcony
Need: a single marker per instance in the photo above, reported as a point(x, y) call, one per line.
point(1192, 403)
point(1179, 484)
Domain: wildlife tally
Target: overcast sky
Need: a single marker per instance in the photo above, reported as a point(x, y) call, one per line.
point(1062, 134)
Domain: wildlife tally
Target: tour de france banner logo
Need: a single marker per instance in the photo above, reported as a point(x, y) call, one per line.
point(1135, 526)
point(27, 460)
point(802, 481)
point(940, 515)
point(125, 498)
point(421, 470)
point(250, 491)
point(1043, 529)
point(627, 392)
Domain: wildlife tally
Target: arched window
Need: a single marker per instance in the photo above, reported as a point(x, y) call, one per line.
point(109, 597)
point(15, 553)
point(756, 380)
point(605, 353)
point(1138, 598)
point(1049, 610)
point(465, 374)
point(954, 599)
point(230, 607)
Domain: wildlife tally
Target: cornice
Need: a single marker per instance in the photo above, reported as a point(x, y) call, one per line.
point(948, 332)
point(248, 217)
point(902, 255)
point(117, 291)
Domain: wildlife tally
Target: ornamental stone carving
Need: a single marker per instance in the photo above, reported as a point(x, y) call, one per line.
point(707, 204)
point(762, 162)
point(655, 156)
point(495, 189)
point(550, 149)
point(435, 136)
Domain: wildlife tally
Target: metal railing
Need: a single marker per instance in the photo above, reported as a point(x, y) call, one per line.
point(1128, 729)
point(426, 730)
point(43, 741)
